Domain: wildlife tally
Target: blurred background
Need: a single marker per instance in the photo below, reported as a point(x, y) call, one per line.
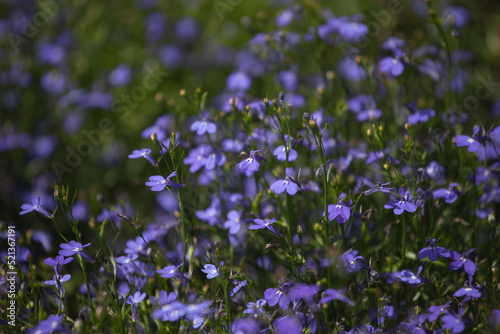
point(79, 72)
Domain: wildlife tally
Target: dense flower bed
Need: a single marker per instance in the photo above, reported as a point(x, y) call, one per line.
point(327, 173)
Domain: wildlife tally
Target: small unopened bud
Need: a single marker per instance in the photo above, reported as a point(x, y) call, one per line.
point(154, 137)
point(491, 218)
point(381, 127)
point(386, 166)
point(330, 75)
point(232, 101)
point(407, 126)
point(274, 101)
point(281, 97)
point(420, 174)
point(314, 127)
point(300, 230)
point(198, 90)
point(247, 107)
point(320, 90)
point(266, 101)
point(92, 223)
point(159, 97)
point(369, 132)
point(56, 194)
point(182, 92)
point(457, 33)
point(172, 140)
point(305, 117)
point(331, 166)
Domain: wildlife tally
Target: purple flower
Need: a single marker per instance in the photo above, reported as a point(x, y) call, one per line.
point(120, 76)
point(419, 115)
point(432, 251)
point(211, 215)
point(134, 300)
point(453, 321)
point(279, 295)
point(53, 324)
point(259, 224)
point(369, 115)
point(158, 182)
point(197, 157)
point(436, 311)
point(280, 151)
point(159, 128)
point(494, 320)
point(341, 210)
point(303, 291)
point(57, 263)
point(203, 126)
point(352, 31)
point(143, 153)
point(393, 44)
point(351, 71)
point(238, 81)
point(410, 278)
point(288, 184)
point(392, 66)
point(449, 195)
point(211, 270)
point(456, 16)
point(36, 205)
point(163, 299)
point(73, 248)
point(237, 286)
point(352, 262)
point(403, 204)
point(245, 325)
point(288, 325)
point(332, 294)
point(382, 187)
point(463, 260)
point(170, 312)
point(256, 309)
point(169, 271)
point(58, 281)
point(473, 143)
point(233, 222)
point(468, 291)
point(249, 165)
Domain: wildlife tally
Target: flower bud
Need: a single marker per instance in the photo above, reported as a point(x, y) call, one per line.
point(182, 92)
point(314, 127)
point(154, 137)
point(159, 97)
point(281, 96)
point(300, 230)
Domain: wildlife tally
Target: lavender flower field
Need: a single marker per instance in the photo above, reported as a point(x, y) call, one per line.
point(237, 166)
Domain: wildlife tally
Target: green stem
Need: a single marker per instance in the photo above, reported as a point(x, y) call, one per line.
point(403, 235)
point(228, 309)
point(89, 297)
